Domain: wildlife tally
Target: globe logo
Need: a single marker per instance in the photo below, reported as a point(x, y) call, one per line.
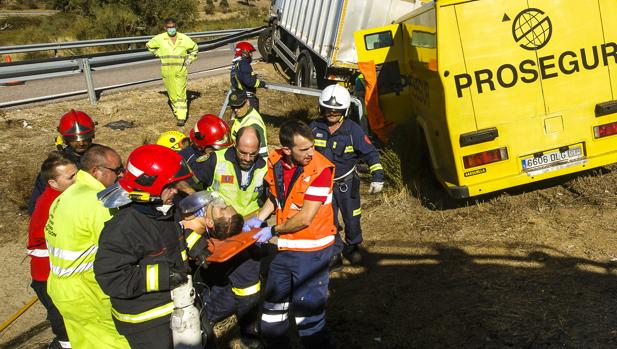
point(532, 29)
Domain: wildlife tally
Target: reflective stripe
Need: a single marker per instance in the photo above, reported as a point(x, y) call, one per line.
point(349, 149)
point(70, 271)
point(276, 306)
point(151, 314)
point(164, 57)
point(247, 291)
point(38, 253)
point(172, 64)
point(180, 107)
point(64, 344)
point(192, 239)
point(256, 82)
point(263, 150)
point(317, 191)
point(313, 318)
point(375, 167)
point(270, 318)
point(320, 142)
point(152, 277)
point(69, 255)
point(306, 244)
point(184, 256)
point(356, 212)
point(328, 199)
point(134, 170)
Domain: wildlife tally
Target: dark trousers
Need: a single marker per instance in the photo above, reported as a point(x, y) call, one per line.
point(297, 285)
point(158, 337)
point(232, 287)
point(53, 315)
point(347, 200)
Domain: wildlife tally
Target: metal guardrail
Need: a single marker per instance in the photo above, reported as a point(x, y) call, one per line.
point(26, 71)
point(104, 42)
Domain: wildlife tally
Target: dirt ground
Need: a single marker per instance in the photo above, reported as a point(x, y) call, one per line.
point(534, 267)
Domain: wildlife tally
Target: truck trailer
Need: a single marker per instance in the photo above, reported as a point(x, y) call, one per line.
point(313, 39)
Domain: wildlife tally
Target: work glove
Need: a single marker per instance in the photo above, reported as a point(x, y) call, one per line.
point(262, 84)
point(264, 235)
point(375, 188)
point(177, 276)
point(187, 62)
point(253, 222)
point(201, 258)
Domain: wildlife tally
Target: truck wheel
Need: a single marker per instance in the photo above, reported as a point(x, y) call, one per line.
point(305, 71)
point(264, 45)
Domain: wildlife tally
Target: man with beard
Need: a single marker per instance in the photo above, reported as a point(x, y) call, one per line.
point(76, 130)
point(237, 174)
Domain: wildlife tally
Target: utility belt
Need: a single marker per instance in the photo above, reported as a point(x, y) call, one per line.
point(348, 181)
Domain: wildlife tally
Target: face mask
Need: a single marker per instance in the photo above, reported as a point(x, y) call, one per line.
point(164, 208)
point(171, 31)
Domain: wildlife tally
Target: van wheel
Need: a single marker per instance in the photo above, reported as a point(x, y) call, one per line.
point(264, 45)
point(305, 71)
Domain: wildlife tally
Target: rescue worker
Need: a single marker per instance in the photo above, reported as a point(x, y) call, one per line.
point(210, 134)
point(237, 174)
point(140, 257)
point(242, 76)
point(344, 143)
point(300, 183)
point(72, 232)
point(246, 115)
point(174, 140)
point(76, 130)
point(177, 51)
point(58, 170)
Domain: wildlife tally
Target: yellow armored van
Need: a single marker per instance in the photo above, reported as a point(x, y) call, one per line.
point(504, 92)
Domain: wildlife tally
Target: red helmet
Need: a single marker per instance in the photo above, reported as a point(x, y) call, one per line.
point(242, 47)
point(76, 126)
point(151, 167)
point(210, 131)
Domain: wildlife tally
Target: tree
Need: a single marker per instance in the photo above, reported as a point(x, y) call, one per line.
point(209, 7)
point(224, 5)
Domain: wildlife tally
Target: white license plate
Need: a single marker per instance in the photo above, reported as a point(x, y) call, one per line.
point(553, 160)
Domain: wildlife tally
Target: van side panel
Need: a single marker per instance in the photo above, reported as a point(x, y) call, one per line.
point(608, 10)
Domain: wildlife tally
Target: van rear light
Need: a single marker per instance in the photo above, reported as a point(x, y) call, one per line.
point(605, 130)
point(485, 157)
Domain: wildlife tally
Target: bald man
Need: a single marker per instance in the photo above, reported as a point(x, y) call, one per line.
point(237, 174)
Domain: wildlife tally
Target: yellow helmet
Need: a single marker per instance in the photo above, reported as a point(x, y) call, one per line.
point(174, 140)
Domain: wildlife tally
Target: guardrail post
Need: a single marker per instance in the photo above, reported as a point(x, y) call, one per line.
point(89, 81)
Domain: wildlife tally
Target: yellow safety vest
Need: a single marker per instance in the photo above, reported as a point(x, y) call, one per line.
point(252, 118)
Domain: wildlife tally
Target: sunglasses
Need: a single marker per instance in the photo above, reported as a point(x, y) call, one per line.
point(118, 170)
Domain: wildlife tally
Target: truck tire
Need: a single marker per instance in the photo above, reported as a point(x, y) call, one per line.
point(305, 71)
point(264, 45)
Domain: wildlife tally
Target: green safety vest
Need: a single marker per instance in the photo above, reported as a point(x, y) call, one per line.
point(252, 118)
point(228, 186)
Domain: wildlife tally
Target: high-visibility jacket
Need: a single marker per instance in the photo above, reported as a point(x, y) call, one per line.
point(320, 233)
point(172, 54)
point(76, 219)
point(252, 118)
point(137, 248)
point(227, 180)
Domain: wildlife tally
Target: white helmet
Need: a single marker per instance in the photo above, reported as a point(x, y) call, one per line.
point(335, 97)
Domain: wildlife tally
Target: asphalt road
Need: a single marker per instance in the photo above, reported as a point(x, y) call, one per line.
point(208, 63)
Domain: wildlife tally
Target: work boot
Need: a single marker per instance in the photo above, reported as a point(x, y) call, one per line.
point(181, 122)
point(55, 344)
point(336, 262)
point(353, 254)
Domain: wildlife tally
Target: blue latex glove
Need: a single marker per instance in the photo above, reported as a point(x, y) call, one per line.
point(253, 222)
point(264, 235)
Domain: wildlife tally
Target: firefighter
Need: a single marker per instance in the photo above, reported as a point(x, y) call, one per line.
point(210, 134)
point(246, 115)
point(76, 130)
point(300, 184)
point(76, 219)
point(237, 174)
point(140, 257)
point(174, 140)
point(176, 51)
point(242, 76)
point(58, 170)
point(344, 143)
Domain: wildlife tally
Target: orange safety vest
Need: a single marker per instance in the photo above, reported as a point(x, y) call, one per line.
point(320, 233)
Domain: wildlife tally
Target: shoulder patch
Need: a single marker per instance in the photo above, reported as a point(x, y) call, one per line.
point(227, 179)
point(203, 158)
point(367, 140)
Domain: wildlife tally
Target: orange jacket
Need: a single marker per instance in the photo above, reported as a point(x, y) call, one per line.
point(320, 233)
